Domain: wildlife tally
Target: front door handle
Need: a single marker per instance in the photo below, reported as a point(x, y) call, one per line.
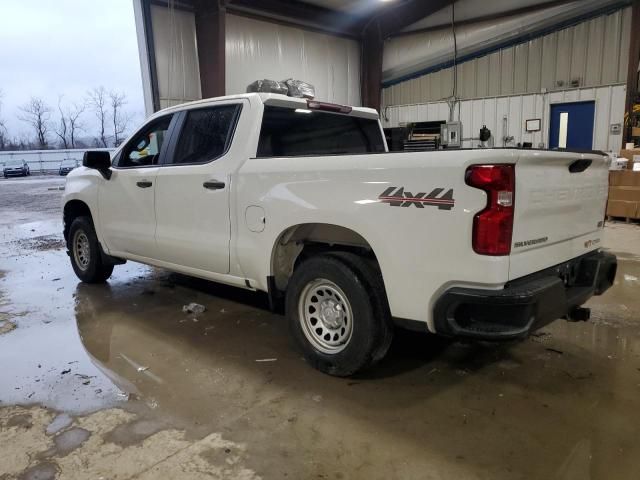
point(144, 184)
point(213, 185)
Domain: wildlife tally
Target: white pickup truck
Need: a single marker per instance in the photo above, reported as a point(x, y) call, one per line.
point(301, 199)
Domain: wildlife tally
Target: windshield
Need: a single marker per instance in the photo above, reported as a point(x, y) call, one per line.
point(14, 163)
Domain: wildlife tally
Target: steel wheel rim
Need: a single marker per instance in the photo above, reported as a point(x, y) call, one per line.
point(325, 316)
point(81, 250)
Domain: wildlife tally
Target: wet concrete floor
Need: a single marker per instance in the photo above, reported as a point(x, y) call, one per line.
point(115, 381)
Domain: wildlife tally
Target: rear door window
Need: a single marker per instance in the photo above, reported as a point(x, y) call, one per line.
point(206, 135)
point(289, 132)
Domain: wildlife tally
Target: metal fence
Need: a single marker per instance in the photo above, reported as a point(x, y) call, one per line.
point(46, 161)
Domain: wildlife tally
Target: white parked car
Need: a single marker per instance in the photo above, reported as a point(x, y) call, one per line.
point(300, 199)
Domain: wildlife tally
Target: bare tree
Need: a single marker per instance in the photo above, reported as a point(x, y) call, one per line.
point(119, 118)
point(97, 100)
point(20, 143)
point(75, 124)
point(62, 129)
point(69, 124)
point(4, 138)
point(37, 114)
point(83, 143)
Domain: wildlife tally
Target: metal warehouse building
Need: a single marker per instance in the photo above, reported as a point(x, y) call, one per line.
point(512, 65)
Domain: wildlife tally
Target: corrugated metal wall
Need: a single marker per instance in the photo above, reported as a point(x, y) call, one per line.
point(174, 39)
point(258, 49)
point(254, 50)
point(593, 52)
point(474, 113)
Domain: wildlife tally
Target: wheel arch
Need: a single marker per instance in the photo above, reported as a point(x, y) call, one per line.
point(73, 209)
point(303, 240)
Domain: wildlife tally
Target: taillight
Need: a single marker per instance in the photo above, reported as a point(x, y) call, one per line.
point(493, 226)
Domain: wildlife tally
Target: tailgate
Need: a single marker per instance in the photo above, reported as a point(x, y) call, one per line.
point(559, 208)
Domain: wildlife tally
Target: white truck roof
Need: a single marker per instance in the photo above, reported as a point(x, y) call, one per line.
point(274, 99)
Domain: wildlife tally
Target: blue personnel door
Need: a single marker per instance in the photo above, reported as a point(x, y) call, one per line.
point(572, 125)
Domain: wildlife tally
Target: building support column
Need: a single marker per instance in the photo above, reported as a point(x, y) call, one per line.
point(372, 47)
point(210, 34)
point(632, 68)
point(144, 33)
point(385, 24)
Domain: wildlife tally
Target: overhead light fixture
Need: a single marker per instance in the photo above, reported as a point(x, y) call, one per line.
point(303, 110)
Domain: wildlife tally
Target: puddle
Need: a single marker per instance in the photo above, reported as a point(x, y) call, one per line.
point(49, 365)
point(61, 422)
point(41, 471)
point(67, 441)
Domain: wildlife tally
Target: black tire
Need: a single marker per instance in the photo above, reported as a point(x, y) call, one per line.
point(87, 263)
point(361, 284)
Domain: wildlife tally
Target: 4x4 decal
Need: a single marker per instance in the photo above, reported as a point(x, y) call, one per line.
point(397, 197)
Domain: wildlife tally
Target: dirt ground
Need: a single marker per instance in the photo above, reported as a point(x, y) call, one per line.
point(115, 382)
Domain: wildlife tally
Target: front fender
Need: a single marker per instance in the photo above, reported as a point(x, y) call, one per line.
point(82, 184)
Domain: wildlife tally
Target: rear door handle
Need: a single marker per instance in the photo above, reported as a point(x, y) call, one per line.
point(213, 185)
point(144, 184)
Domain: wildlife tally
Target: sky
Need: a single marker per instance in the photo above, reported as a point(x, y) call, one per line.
point(67, 47)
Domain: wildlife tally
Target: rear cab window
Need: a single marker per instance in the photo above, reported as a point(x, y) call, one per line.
point(288, 132)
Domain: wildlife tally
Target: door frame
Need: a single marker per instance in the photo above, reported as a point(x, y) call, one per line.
point(131, 170)
point(563, 102)
point(240, 104)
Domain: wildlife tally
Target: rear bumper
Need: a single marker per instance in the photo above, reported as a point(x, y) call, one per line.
point(527, 303)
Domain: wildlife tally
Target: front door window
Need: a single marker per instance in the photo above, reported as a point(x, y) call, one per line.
point(144, 149)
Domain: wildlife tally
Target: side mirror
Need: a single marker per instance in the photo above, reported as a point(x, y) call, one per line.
point(98, 160)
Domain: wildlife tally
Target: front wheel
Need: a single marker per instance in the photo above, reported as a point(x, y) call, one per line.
point(85, 254)
point(338, 313)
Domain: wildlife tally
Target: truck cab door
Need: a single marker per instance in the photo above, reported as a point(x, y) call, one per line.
point(193, 189)
point(126, 201)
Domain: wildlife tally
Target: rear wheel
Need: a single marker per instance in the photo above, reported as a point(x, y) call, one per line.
point(85, 252)
point(338, 313)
